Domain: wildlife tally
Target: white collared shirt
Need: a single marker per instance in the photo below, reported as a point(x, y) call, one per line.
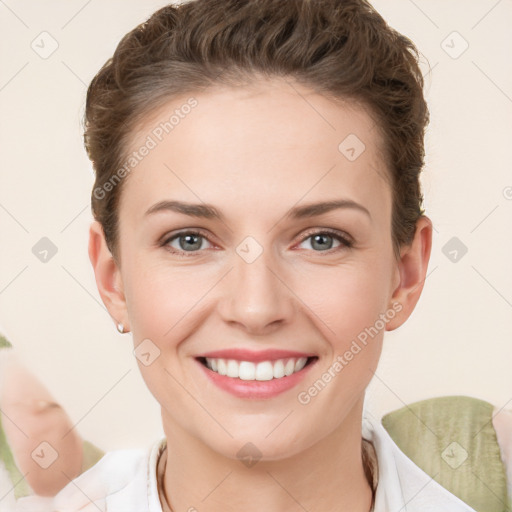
point(126, 481)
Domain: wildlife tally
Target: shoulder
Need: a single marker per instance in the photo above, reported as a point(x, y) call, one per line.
point(402, 485)
point(459, 442)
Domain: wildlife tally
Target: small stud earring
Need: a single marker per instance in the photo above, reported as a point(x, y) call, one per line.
point(120, 327)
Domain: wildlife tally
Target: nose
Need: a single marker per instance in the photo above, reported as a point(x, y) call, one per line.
point(256, 297)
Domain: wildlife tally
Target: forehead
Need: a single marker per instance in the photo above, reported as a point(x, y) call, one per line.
point(271, 141)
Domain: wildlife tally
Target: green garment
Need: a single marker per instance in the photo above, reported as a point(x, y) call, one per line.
point(453, 440)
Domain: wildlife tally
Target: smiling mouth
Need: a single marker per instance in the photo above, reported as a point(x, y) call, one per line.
point(261, 371)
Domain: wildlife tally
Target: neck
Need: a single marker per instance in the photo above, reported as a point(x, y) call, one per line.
point(326, 476)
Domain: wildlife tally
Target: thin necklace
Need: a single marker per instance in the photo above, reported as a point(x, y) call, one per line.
point(160, 480)
point(369, 462)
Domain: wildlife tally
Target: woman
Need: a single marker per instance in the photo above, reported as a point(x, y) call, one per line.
point(258, 228)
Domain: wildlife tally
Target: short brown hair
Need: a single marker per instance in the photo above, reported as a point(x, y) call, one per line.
point(340, 48)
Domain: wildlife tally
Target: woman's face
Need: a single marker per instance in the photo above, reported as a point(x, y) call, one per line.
point(265, 275)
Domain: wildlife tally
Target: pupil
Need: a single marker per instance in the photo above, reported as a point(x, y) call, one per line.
point(321, 239)
point(190, 238)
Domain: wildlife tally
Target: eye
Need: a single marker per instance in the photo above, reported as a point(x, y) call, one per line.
point(322, 241)
point(186, 241)
point(192, 241)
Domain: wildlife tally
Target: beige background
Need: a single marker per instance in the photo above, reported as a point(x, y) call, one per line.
point(458, 341)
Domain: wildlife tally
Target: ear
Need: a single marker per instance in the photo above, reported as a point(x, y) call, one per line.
point(108, 275)
point(411, 272)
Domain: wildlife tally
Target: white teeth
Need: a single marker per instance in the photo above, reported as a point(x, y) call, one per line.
point(289, 367)
point(278, 369)
point(221, 366)
point(301, 362)
point(265, 370)
point(246, 370)
point(232, 369)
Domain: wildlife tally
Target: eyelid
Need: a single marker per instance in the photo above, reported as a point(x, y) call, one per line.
point(330, 231)
point(180, 232)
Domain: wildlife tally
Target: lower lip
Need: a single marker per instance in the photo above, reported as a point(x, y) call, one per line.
point(254, 388)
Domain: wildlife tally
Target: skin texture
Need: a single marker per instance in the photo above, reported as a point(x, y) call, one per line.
point(255, 153)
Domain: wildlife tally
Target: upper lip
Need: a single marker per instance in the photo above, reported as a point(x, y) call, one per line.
point(255, 356)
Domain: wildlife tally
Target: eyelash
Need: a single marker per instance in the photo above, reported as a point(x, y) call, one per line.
point(346, 242)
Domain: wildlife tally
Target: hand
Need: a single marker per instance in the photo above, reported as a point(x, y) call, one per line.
point(30, 416)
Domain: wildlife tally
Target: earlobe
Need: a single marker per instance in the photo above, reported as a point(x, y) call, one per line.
point(107, 275)
point(412, 271)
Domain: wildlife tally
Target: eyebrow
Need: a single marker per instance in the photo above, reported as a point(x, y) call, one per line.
point(208, 211)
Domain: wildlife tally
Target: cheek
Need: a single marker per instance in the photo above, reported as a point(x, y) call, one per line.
point(345, 301)
point(161, 304)
point(162, 301)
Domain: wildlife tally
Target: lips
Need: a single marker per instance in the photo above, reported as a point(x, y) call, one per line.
point(255, 374)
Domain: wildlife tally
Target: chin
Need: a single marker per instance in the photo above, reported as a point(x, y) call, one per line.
point(256, 445)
